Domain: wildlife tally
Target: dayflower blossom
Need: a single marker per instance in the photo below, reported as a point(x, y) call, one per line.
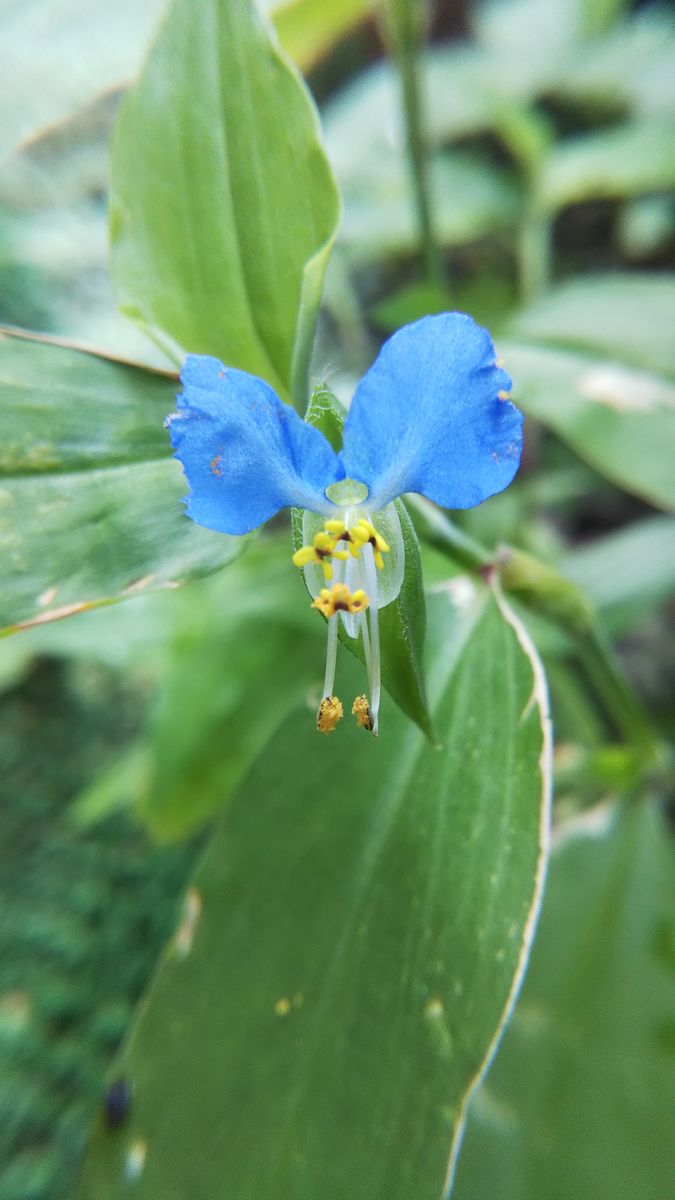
point(432, 416)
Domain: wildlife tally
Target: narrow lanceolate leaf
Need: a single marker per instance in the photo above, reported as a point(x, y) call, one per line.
point(90, 506)
point(579, 1102)
point(223, 205)
point(620, 420)
point(351, 947)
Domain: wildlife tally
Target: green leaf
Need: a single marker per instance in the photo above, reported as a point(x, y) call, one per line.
point(578, 1104)
point(646, 226)
point(351, 948)
point(251, 652)
point(630, 67)
point(620, 420)
point(629, 160)
point(90, 506)
point(327, 414)
point(223, 207)
point(626, 573)
point(57, 55)
point(629, 317)
point(308, 29)
point(471, 199)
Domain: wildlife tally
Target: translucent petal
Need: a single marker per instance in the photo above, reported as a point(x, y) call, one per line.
point(389, 579)
point(245, 454)
point(428, 417)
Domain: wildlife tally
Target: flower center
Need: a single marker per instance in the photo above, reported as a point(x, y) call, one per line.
point(347, 493)
point(350, 553)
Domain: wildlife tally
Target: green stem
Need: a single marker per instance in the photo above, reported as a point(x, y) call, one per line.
point(534, 255)
point(545, 591)
point(406, 24)
point(528, 137)
point(438, 531)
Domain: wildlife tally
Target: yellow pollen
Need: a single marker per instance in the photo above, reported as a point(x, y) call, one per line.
point(330, 712)
point(340, 599)
point(338, 529)
point(356, 537)
point(365, 532)
point(503, 396)
point(322, 549)
point(341, 533)
point(361, 710)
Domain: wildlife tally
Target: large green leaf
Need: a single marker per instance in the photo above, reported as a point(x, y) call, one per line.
point(251, 652)
point(629, 317)
point(89, 498)
point(57, 55)
point(223, 206)
point(620, 420)
point(316, 1030)
point(629, 160)
point(579, 1103)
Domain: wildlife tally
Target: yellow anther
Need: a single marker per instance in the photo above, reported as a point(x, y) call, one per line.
point(357, 536)
point(320, 552)
point(361, 710)
point(341, 533)
point(330, 712)
point(337, 529)
point(363, 532)
point(303, 556)
point(340, 599)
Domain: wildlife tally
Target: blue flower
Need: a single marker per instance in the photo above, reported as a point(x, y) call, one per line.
point(432, 416)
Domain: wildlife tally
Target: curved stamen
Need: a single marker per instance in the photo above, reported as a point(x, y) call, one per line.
point(371, 586)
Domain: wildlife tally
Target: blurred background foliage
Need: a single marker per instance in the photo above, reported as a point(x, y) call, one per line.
point(551, 218)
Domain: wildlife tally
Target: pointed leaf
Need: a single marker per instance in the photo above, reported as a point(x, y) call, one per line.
point(223, 205)
point(351, 948)
point(579, 1101)
point(90, 499)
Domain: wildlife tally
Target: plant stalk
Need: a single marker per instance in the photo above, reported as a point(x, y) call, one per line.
point(406, 23)
point(544, 590)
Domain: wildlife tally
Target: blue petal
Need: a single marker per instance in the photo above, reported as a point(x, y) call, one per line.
point(245, 454)
point(428, 417)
